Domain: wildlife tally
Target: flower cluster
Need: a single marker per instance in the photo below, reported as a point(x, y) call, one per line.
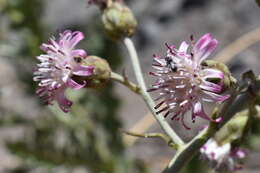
point(223, 157)
point(183, 83)
point(56, 68)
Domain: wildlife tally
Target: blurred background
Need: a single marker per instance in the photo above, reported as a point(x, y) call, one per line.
point(39, 139)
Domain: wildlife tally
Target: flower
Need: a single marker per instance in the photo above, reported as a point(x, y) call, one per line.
point(56, 68)
point(222, 156)
point(183, 83)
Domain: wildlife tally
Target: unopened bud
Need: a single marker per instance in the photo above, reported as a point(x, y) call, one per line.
point(101, 72)
point(118, 21)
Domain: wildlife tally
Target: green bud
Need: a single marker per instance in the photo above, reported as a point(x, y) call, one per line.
point(118, 21)
point(229, 81)
point(101, 74)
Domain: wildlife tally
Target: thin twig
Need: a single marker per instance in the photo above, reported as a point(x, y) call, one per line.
point(141, 126)
point(148, 100)
point(117, 77)
point(152, 135)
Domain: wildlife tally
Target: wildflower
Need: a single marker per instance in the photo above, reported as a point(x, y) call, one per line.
point(222, 157)
point(183, 83)
point(57, 67)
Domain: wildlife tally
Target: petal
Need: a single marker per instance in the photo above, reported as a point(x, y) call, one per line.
point(184, 47)
point(208, 50)
point(183, 123)
point(197, 110)
point(64, 37)
point(240, 153)
point(79, 53)
point(209, 86)
point(203, 42)
point(81, 70)
point(212, 73)
point(63, 102)
point(215, 97)
point(77, 36)
point(74, 85)
point(204, 47)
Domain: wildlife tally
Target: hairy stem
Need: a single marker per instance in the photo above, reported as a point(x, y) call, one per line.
point(148, 100)
point(234, 105)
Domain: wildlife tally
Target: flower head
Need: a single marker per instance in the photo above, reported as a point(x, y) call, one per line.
point(56, 68)
point(222, 156)
point(183, 83)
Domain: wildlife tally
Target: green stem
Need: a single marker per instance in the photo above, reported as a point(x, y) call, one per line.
point(148, 100)
point(234, 105)
point(152, 135)
point(123, 80)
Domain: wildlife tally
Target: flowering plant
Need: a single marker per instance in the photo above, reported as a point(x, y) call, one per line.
point(184, 80)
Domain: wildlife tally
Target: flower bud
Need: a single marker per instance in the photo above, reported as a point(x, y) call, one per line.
point(118, 21)
point(101, 73)
point(228, 81)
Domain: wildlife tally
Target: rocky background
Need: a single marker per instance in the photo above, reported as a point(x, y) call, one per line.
point(39, 139)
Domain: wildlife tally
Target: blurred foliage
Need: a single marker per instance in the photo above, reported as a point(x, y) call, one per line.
point(258, 2)
point(86, 138)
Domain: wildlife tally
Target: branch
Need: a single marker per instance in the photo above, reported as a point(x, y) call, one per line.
point(152, 135)
point(148, 100)
point(234, 105)
point(123, 80)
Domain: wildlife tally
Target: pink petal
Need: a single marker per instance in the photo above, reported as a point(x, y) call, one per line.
point(240, 154)
point(202, 42)
point(64, 38)
point(208, 50)
point(76, 38)
point(74, 85)
point(79, 53)
point(83, 70)
point(212, 73)
point(63, 102)
point(204, 47)
point(209, 86)
point(197, 110)
point(216, 97)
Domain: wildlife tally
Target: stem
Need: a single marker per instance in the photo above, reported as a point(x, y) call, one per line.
point(123, 80)
point(234, 105)
point(152, 135)
point(148, 100)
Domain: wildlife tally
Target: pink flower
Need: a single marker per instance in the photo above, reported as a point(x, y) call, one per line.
point(183, 83)
point(222, 156)
point(56, 68)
